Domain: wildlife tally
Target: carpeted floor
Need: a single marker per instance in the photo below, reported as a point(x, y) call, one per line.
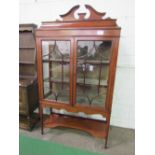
point(33, 146)
point(121, 141)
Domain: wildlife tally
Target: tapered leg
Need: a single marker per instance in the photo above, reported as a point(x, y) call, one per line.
point(107, 131)
point(106, 141)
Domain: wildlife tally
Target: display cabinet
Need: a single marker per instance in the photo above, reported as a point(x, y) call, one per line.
point(76, 63)
point(28, 87)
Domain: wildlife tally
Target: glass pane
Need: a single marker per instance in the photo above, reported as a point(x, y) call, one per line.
point(56, 61)
point(93, 59)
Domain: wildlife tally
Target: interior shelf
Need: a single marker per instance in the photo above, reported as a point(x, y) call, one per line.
point(27, 48)
point(56, 80)
point(93, 62)
point(79, 81)
point(27, 77)
point(92, 82)
point(27, 62)
point(56, 60)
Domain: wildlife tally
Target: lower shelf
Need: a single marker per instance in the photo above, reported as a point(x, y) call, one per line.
point(26, 123)
point(93, 127)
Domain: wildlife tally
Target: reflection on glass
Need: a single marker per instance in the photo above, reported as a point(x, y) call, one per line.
point(93, 59)
point(56, 59)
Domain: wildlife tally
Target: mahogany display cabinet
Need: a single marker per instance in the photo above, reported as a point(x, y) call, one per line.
point(76, 64)
point(28, 87)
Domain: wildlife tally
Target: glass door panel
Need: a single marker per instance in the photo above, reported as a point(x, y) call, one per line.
point(56, 70)
point(93, 59)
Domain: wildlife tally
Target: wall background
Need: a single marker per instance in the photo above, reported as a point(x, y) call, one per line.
point(123, 111)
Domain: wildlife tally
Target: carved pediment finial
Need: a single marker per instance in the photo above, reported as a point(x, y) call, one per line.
point(70, 14)
point(94, 15)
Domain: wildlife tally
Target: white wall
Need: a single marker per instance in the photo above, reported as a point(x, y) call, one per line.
point(123, 113)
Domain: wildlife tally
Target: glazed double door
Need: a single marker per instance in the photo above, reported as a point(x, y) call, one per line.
point(76, 70)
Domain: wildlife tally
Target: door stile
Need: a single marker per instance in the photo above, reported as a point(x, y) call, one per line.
point(112, 71)
point(39, 68)
point(71, 71)
point(109, 78)
point(74, 70)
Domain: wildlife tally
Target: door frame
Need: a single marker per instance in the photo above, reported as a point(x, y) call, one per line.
point(96, 38)
point(40, 66)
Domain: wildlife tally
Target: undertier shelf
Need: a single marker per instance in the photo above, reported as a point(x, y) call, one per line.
point(93, 127)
